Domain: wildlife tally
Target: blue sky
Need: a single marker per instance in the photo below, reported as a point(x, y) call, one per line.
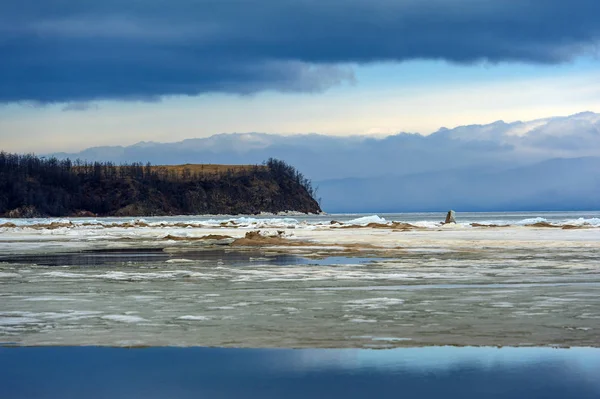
point(80, 73)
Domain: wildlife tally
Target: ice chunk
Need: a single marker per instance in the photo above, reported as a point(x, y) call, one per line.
point(365, 220)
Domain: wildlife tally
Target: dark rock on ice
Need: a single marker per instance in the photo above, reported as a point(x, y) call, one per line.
point(450, 217)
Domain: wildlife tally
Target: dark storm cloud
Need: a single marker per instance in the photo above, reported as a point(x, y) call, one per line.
point(81, 50)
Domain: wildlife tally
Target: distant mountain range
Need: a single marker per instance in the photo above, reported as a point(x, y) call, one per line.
point(557, 184)
point(545, 164)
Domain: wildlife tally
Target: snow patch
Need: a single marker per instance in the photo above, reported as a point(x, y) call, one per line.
point(53, 299)
point(16, 321)
point(194, 318)
point(365, 220)
point(362, 321)
point(124, 318)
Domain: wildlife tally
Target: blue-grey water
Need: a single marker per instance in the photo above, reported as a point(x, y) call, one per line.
point(180, 373)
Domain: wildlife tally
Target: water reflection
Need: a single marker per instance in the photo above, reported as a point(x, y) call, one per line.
point(157, 256)
point(90, 372)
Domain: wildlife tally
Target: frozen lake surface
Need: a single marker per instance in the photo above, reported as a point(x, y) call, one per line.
point(361, 283)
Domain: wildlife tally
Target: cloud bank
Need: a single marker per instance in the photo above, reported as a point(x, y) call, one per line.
point(83, 50)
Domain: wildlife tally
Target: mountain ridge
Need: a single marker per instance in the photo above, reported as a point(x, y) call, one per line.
point(550, 185)
point(494, 147)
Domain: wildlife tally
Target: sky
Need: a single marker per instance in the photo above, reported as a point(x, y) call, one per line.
point(81, 73)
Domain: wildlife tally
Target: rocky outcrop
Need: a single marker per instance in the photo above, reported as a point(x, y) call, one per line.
point(450, 217)
point(26, 211)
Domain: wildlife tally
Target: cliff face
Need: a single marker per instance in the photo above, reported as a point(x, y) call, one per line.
point(31, 187)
